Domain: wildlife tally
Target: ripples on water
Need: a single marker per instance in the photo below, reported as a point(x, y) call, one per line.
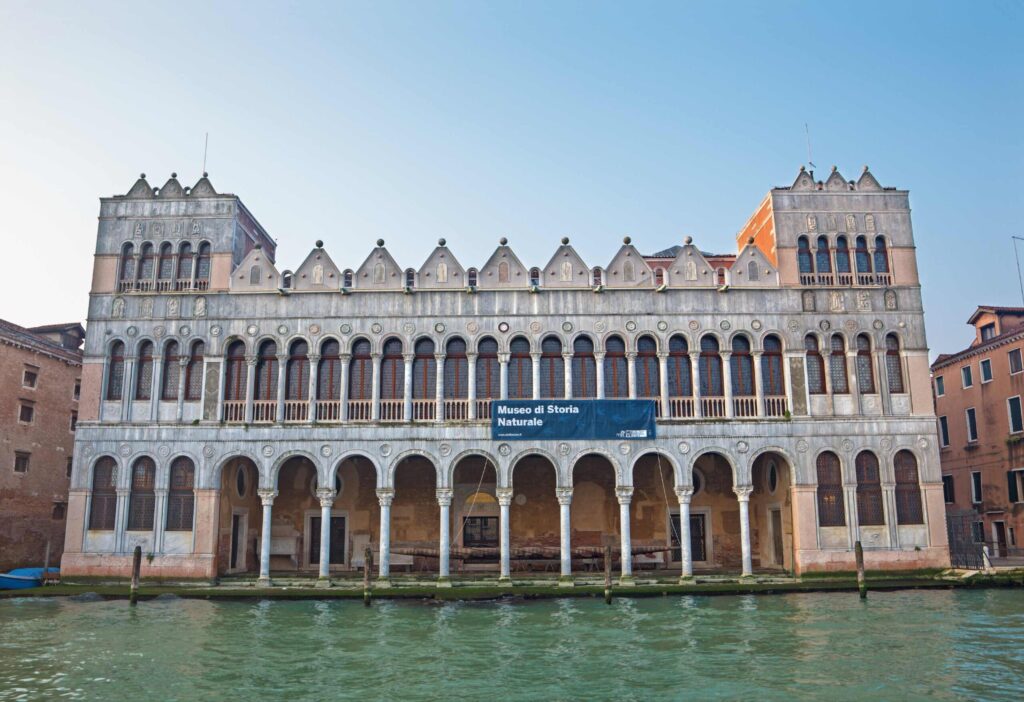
point(903, 645)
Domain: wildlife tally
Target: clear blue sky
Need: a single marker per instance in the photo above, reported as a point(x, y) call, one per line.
point(412, 121)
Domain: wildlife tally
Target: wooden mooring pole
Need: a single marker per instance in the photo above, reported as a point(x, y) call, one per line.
point(46, 563)
point(862, 585)
point(607, 574)
point(367, 569)
point(136, 568)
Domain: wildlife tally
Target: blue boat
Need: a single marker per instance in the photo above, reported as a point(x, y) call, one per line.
point(24, 578)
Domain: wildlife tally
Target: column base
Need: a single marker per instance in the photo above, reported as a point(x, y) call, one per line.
point(444, 581)
point(504, 580)
point(323, 582)
point(687, 580)
point(382, 582)
point(566, 581)
point(264, 582)
point(627, 581)
point(746, 576)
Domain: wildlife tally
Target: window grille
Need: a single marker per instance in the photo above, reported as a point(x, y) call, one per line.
point(392, 371)
point(128, 263)
point(328, 376)
point(488, 370)
point(679, 372)
point(772, 382)
point(142, 499)
point(171, 372)
point(584, 368)
point(235, 375)
point(146, 262)
point(297, 372)
point(865, 368)
point(741, 363)
point(552, 368)
point(647, 377)
point(869, 490)
point(180, 497)
point(823, 259)
point(616, 373)
point(424, 371)
point(908, 490)
point(115, 371)
point(881, 255)
point(144, 386)
point(194, 373)
point(203, 264)
point(893, 364)
point(862, 255)
point(456, 370)
point(803, 253)
point(710, 368)
point(520, 370)
point(842, 255)
point(815, 366)
point(103, 502)
point(360, 375)
point(266, 372)
point(185, 261)
point(837, 366)
point(831, 505)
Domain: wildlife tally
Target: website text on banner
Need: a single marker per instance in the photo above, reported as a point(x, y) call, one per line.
point(522, 420)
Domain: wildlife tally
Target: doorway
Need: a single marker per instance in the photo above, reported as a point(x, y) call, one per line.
point(999, 536)
point(778, 554)
point(698, 538)
point(236, 559)
point(337, 551)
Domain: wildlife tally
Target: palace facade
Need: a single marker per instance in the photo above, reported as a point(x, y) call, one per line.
point(241, 418)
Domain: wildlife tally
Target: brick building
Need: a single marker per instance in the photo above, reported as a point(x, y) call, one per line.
point(40, 383)
point(978, 394)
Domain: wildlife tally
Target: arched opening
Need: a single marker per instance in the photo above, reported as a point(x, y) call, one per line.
point(392, 382)
point(597, 277)
point(171, 372)
point(805, 262)
point(103, 500)
point(264, 406)
point(475, 513)
point(823, 261)
point(115, 372)
point(594, 513)
point(488, 376)
point(741, 366)
point(534, 514)
point(520, 370)
point(240, 517)
point(165, 267)
point(863, 259)
point(142, 498)
point(360, 382)
point(870, 509)
point(144, 372)
point(865, 366)
point(235, 381)
point(773, 379)
point(815, 366)
point(616, 374)
point(843, 265)
point(127, 266)
point(415, 516)
point(659, 276)
point(535, 277)
point(771, 512)
point(647, 375)
point(552, 368)
point(296, 505)
point(680, 377)
point(184, 281)
point(355, 516)
point(181, 501)
point(837, 366)
point(296, 389)
point(831, 501)
point(584, 368)
point(654, 514)
point(328, 382)
point(471, 277)
point(410, 278)
point(893, 364)
point(203, 267)
point(456, 380)
point(711, 383)
point(147, 267)
point(424, 381)
point(715, 536)
point(908, 489)
point(346, 279)
point(881, 257)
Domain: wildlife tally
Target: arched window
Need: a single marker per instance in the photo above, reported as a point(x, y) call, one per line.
point(165, 265)
point(535, 276)
point(862, 255)
point(424, 371)
point(869, 490)
point(772, 378)
point(837, 366)
point(103, 502)
point(203, 267)
point(646, 374)
point(410, 278)
point(286, 280)
point(552, 368)
point(392, 371)
point(815, 366)
point(115, 371)
point(520, 370)
point(471, 277)
point(142, 499)
point(127, 265)
point(742, 366)
point(503, 272)
point(171, 372)
point(842, 255)
point(360, 374)
point(823, 257)
point(144, 373)
point(146, 262)
point(180, 497)
point(803, 255)
point(488, 370)
point(235, 373)
point(584, 368)
point(831, 506)
point(346, 279)
point(679, 373)
point(710, 367)
point(753, 272)
point(908, 490)
point(893, 364)
point(194, 372)
point(184, 265)
point(328, 371)
point(865, 368)
point(266, 372)
point(456, 369)
point(659, 276)
point(297, 373)
point(255, 275)
point(597, 277)
point(881, 255)
point(616, 373)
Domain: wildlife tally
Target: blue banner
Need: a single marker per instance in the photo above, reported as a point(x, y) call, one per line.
point(524, 420)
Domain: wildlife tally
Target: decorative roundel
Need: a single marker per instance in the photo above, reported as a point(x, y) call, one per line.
point(346, 328)
point(314, 329)
point(376, 328)
point(847, 445)
point(208, 451)
point(825, 325)
point(802, 446)
point(886, 443)
point(520, 499)
point(282, 329)
point(409, 328)
point(535, 327)
point(631, 325)
point(215, 330)
point(472, 327)
point(252, 330)
point(125, 450)
point(756, 325)
point(850, 324)
point(624, 449)
point(725, 324)
point(131, 331)
point(794, 325)
point(742, 446)
point(159, 332)
point(326, 450)
point(600, 326)
point(684, 447)
point(504, 449)
point(877, 324)
point(564, 449)
point(567, 327)
point(923, 443)
point(662, 325)
point(439, 327)
point(87, 450)
point(694, 325)
point(164, 451)
point(445, 449)
point(503, 327)
point(268, 450)
point(385, 449)
point(185, 330)
point(902, 325)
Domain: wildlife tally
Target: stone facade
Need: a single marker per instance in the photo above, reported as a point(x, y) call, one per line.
point(345, 405)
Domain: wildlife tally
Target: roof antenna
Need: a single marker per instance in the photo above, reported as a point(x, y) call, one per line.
point(206, 145)
point(810, 161)
point(1020, 279)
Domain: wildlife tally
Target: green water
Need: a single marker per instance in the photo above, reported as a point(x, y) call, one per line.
point(901, 645)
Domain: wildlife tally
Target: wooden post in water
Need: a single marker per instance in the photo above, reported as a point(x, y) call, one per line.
point(46, 562)
point(607, 574)
point(367, 567)
point(136, 567)
point(862, 585)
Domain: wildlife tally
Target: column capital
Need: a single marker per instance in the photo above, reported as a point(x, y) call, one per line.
point(564, 495)
point(631, 355)
point(694, 356)
point(326, 496)
point(183, 361)
point(313, 358)
point(535, 355)
point(683, 494)
point(444, 496)
point(599, 356)
point(439, 357)
point(282, 358)
point(375, 356)
point(471, 356)
point(344, 357)
point(408, 357)
point(624, 494)
point(743, 492)
point(385, 496)
point(160, 492)
point(663, 355)
point(567, 356)
point(726, 355)
point(123, 491)
point(503, 357)
point(251, 360)
point(504, 495)
point(267, 496)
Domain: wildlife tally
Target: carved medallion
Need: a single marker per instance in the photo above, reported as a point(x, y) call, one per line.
point(282, 329)
point(439, 327)
point(385, 449)
point(694, 325)
point(756, 325)
point(445, 449)
point(208, 451)
point(215, 330)
point(563, 449)
point(684, 447)
point(725, 324)
point(268, 450)
point(409, 328)
point(600, 326)
point(131, 331)
point(472, 327)
point(345, 328)
point(625, 448)
point(504, 449)
point(164, 451)
point(125, 450)
point(535, 327)
point(376, 328)
point(662, 325)
point(314, 329)
point(631, 325)
point(184, 330)
point(802, 446)
point(742, 446)
point(252, 330)
point(326, 450)
point(567, 327)
point(503, 327)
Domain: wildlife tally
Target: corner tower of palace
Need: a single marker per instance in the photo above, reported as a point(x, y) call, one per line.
point(240, 418)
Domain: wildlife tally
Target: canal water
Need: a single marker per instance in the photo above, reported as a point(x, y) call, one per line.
point(901, 645)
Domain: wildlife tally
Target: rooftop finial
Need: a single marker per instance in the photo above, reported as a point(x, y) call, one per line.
point(441, 242)
point(802, 168)
point(380, 242)
point(142, 175)
point(565, 240)
point(319, 243)
point(834, 169)
point(750, 240)
point(205, 174)
point(688, 240)
point(627, 240)
point(173, 174)
point(503, 241)
point(865, 168)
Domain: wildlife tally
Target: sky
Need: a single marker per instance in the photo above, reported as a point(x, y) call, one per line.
point(411, 121)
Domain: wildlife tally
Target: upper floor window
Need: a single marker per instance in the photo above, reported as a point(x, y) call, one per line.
point(552, 368)
point(865, 368)
point(894, 365)
point(948, 493)
point(1013, 409)
point(203, 266)
point(77, 392)
point(815, 366)
point(646, 373)
point(127, 262)
point(584, 368)
point(142, 499)
point(908, 490)
point(184, 265)
point(115, 371)
point(710, 367)
point(392, 371)
point(26, 412)
point(297, 373)
point(266, 372)
point(940, 386)
point(753, 272)
point(1015, 361)
point(346, 279)
point(742, 366)
point(823, 258)
point(180, 496)
point(837, 366)
point(722, 277)
point(21, 461)
point(194, 372)
point(870, 511)
point(360, 376)
point(488, 370)
point(103, 501)
point(328, 374)
point(659, 276)
point(881, 255)
point(988, 331)
point(772, 380)
point(831, 505)
point(616, 371)
point(596, 275)
point(535, 276)
point(679, 372)
point(842, 255)
point(165, 263)
point(986, 370)
point(171, 372)
point(424, 371)
point(943, 432)
point(520, 369)
point(803, 254)
point(29, 377)
point(471, 277)
point(235, 373)
point(967, 377)
point(456, 369)
point(972, 424)
point(862, 255)
point(144, 372)
point(146, 267)
point(410, 278)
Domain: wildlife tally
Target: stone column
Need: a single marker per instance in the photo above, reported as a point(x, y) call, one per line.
point(407, 387)
point(128, 388)
point(439, 387)
point(567, 363)
point(564, 495)
point(503, 376)
point(625, 495)
point(758, 385)
point(314, 368)
point(471, 384)
point(504, 496)
point(854, 382)
point(683, 494)
point(250, 386)
point(282, 382)
point(743, 496)
point(326, 497)
point(343, 395)
point(385, 496)
point(727, 382)
point(156, 386)
point(444, 501)
point(195, 266)
point(666, 408)
point(182, 366)
point(631, 373)
point(121, 517)
point(599, 374)
point(535, 357)
point(698, 410)
point(159, 519)
point(889, 512)
point(267, 496)
point(787, 383)
point(882, 372)
point(375, 389)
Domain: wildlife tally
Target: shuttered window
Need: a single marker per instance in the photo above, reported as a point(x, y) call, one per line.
point(360, 375)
